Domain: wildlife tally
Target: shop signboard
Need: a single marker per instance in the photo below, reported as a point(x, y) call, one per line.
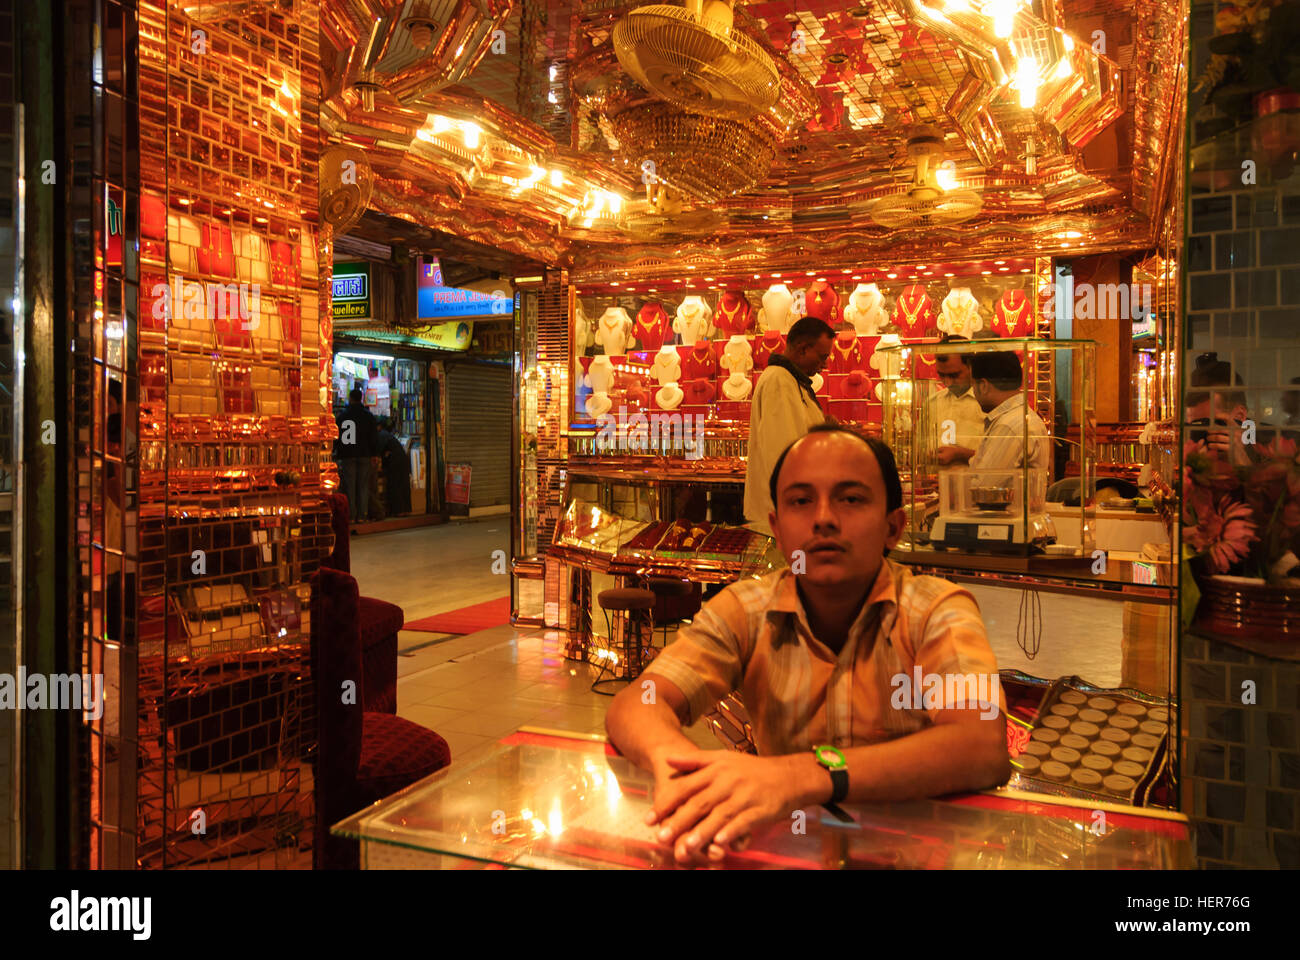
point(350, 298)
point(458, 483)
point(433, 301)
point(452, 335)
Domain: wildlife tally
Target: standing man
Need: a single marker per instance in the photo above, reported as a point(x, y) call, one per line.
point(996, 381)
point(357, 442)
point(397, 470)
point(784, 408)
point(953, 422)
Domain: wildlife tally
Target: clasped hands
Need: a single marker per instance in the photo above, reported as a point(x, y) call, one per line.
point(708, 802)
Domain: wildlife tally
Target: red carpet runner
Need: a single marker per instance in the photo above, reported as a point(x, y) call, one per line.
point(481, 616)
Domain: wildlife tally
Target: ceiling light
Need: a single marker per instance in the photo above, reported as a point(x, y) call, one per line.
point(1004, 269)
point(1027, 81)
point(1004, 17)
point(892, 276)
point(806, 274)
point(615, 202)
point(471, 133)
point(440, 124)
point(557, 178)
point(986, 272)
point(998, 263)
point(950, 274)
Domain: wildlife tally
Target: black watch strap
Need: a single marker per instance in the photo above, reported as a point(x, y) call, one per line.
point(839, 785)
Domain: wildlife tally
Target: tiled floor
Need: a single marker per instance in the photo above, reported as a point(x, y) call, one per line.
point(475, 689)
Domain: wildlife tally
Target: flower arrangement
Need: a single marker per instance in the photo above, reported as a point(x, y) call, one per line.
point(1243, 519)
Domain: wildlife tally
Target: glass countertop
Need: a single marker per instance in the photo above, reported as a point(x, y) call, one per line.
point(541, 801)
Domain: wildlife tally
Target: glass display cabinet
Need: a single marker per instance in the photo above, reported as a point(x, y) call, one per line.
point(1015, 481)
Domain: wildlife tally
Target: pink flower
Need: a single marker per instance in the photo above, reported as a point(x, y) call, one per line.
point(1224, 535)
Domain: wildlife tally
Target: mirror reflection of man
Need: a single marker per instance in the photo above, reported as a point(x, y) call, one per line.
point(954, 421)
point(818, 650)
point(996, 383)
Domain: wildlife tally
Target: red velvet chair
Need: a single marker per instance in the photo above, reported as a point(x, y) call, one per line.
point(363, 755)
point(379, 619)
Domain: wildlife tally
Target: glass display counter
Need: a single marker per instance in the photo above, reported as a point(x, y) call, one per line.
point(543, 801)
point(1022, 488)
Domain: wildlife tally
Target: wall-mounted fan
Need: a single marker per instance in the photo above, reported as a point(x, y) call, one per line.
point(693, 57)
point(926, 202)
point(345, 184)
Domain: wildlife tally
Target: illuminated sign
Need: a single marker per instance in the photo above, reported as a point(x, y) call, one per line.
point(350, 296)
point(433, 301)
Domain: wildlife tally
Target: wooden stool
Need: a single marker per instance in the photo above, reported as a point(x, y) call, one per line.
point(637, 604)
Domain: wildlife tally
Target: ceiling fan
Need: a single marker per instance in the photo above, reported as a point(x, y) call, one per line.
point(929, 200)
point(693, 57)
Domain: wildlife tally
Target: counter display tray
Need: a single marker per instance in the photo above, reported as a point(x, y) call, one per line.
point(1107, 746)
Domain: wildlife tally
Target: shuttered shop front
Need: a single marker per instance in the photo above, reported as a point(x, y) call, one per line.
point(479, 405)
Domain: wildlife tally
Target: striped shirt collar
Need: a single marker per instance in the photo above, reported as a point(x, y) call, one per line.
point(884, 593)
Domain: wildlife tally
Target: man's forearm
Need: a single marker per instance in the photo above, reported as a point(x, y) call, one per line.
point(941, 759)
point(642, 732)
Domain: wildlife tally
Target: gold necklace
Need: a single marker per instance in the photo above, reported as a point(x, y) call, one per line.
point(911, 316)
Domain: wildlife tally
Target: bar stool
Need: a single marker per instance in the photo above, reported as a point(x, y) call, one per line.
point(666, 589)
point(638, 604)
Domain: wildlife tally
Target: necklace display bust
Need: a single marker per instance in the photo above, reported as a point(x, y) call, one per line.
point(821, 301)
point(598, 404)
point(583, 335)
point(692, 321)
point(737, 386)
point(700, 362)
point(769, 343)
point(866, 310)
point(737, 355)
point(668, 397)
point(698, 391)
point(1012, 317)
point(600, 375)
point(735, 314)
point(856, 386)
point(960, 313)
point(887, 364)
point(913, 311)
point(778, 311)
point(846, 355)
point(667, 366)
point(651, 327)
point(613, 331)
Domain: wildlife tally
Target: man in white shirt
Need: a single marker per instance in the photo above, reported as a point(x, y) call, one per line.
point(953, 422)
point(996, 381)
point(783, 409)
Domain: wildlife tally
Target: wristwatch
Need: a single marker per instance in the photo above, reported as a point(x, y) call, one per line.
point(833, 760)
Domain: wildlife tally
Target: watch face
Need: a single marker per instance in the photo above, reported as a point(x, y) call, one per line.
point(830, 757)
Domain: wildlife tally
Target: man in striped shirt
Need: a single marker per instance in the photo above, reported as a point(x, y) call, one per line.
point(825, 653)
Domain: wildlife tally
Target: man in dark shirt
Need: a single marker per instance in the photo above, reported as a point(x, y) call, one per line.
point(397, 470)
point(358, 441)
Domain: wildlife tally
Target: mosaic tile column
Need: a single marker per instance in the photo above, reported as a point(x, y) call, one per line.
point(1240, 676)
point(212, 661)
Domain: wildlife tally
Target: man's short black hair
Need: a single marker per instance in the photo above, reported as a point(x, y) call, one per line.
point(884, 457)
point(355, 395)
point(956, 338)
point(999, 367)
point(808, 330)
